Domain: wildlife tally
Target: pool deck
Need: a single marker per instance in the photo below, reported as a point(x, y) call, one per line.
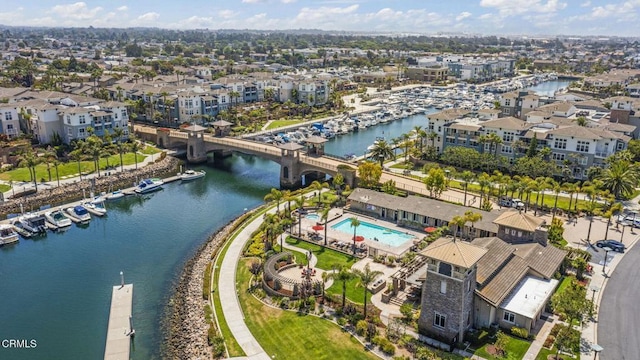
point(375, 248)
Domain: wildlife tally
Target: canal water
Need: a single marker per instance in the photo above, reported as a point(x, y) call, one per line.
point(57, 290)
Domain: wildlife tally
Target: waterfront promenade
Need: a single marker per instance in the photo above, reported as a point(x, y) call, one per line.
point(119, 331)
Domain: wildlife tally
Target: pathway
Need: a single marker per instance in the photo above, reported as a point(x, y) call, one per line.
point(20, 186)
point(228, 293)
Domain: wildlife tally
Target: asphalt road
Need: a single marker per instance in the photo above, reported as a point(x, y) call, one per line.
point(618, 319)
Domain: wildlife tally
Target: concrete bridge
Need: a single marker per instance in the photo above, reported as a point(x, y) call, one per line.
point(295, 160)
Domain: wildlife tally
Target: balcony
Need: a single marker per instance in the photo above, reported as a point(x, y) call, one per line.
point(603, 154)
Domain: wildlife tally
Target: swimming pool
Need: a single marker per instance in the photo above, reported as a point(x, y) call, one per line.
point(372, 231)
point(312, 217)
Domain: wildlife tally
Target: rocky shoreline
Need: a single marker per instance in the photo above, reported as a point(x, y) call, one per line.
point(185, 326)
point(67, 193)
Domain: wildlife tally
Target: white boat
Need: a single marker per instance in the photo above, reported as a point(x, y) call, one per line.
point(7, 234)
point(149, 185)
point(192, 175)
point(80, 213)
point(96, 208)
point(57, 218)
point(33, 223)
point(114, 195)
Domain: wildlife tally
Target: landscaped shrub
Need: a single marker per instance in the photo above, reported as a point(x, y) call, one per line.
point(548, 343)
point(520, 332)
point(342, 321)
point(388, 348)
point(555, 330)
point(284, 303)
point(361, 327)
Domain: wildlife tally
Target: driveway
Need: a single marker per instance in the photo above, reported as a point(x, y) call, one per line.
point(618, 319)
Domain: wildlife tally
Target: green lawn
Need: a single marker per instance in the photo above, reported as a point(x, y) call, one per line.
point(280, 123)
point(4, 187)
point(355, 293)
point(566, 281)
point(516, 348)
point(542, 355)
point(69, 169)
point(300, 257)
point(150, 150)
point(290, 335)
point(327, 258)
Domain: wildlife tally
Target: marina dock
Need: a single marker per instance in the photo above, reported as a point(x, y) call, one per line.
point(119, 331)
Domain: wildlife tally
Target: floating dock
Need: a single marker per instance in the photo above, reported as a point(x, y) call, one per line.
point(119, 332)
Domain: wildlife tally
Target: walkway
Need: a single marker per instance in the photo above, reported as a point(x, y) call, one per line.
point(228, 293)
point(21, 186)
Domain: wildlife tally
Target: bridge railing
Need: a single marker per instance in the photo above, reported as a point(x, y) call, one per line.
point(179, 134)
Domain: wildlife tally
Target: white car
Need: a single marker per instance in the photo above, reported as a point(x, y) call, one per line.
point(512, 203)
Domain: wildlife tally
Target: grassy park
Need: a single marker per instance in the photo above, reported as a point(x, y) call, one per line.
point(291, 335)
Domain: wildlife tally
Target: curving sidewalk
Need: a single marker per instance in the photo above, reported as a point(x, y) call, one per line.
point(228, 294)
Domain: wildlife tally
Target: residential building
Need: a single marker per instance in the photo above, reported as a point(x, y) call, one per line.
point(427, 74)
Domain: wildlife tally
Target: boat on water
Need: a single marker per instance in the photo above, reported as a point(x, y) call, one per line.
point(33, 223)
point(7, 234)
point(79, 213)
point(149, 185)
point(96, 207)
point(57, 218)
point(114, 195)
point(192, 175)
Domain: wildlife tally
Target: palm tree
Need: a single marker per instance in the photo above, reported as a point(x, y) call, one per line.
point(382, 151)
point(274, 195)
point(119, 133)
point(343, 275)
point(420, 134)
point(300, 205)
point(466, 177)
point(614, 209)
point(406, 143)
point(93, 148)
point(324, 215)
point(620, 178)
point(484, 181)
point(317, 186)
point(365, 278)
point(571, 189)
point(591, 208)
point(354, 224)
point(459, 222)
point(135, 147)
point(30, 159)
point(49, 156)
point(472, 217)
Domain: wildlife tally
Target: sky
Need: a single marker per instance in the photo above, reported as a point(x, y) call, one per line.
point(487, 17)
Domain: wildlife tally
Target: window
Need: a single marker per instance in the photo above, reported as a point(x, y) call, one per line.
point(513, 232)
point(9, 126)
point(468, 286)
point(7, 116)
point(443, 287)
point(507, 102)
point(439, 320)
point(507, 137)
point(82, 119)
point(560, 143)
point(124, 113)
point(557, 156)
point(444, 269)
point(507, 149)
point(620, 146)
point(582, 146)
point(68, 119)
point(509, 317)
point(583, 160)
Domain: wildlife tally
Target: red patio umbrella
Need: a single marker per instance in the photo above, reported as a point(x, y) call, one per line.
point(358, 238)
point(317, 227)
point(430, 229)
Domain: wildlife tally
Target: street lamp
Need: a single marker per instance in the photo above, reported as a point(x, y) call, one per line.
point(606, 255)
point(593, 296)
point(596, 349)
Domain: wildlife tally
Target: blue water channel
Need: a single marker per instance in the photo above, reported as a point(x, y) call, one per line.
point(57, 290)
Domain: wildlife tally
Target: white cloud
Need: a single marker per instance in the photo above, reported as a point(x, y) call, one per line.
point(517, 7)
point(586, 4)
point(463, 15)
point(226, 14)
point(76, 11)
point(252, 1)
point(122, 8)
point(149, 17)
point(288, 1)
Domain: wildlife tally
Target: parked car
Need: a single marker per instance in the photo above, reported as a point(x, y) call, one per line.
point(512, 203)
point(613, 244)
point(630, 219)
